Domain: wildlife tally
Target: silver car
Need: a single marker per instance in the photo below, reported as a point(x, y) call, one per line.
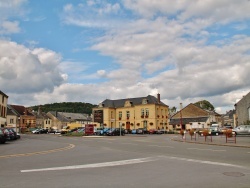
point(242, 130)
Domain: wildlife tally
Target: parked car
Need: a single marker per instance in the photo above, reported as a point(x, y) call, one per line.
point(141, 131)
point(2, 137)
point(36, 131)
point(8, 134)
point(152, 131)
point(133, 131)
point(13, 133)
point(40, 131)
point(81, 130)
point(211, 131)
point(18, 135)
point(242, 130)
point(116, 132)
point(159, 131)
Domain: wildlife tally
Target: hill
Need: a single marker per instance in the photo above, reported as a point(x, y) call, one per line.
point(72, 107)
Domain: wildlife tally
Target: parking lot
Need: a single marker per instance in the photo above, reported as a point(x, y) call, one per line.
point(48, 160)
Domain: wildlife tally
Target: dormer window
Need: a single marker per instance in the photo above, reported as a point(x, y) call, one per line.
point(127, 103)
point(144, 101)
point(101, 105)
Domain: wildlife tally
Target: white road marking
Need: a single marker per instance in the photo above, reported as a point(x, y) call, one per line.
point(130, 144)
point(205, 149)
point(161, 146)
point(96, 165)
point(204, 162)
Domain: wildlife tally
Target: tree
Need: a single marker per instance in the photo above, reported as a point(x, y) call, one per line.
point(204, 104)
point(173, 109)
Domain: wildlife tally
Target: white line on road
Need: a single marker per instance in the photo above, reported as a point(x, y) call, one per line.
point(161, 146)
point(130, 144)
point(204, 162)
point(204, 149)
point(96, 165)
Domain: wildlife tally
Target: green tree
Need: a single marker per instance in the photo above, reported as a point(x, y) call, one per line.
point(204, 104)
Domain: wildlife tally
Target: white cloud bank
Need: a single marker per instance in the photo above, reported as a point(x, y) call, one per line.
point(177, 48)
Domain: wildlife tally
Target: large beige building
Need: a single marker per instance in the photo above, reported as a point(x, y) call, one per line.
point(132, 113)
point(3, 108)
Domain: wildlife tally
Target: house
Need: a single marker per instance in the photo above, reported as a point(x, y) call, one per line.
point(42, 120)
point(12, 119)
point(193, 117)
point(25, 119)
point(3, 108)
point(131, 113)
point(59, 120)
point(228, 119)
point(242, 109)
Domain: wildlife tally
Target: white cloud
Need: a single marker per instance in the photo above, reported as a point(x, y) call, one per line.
point(27, 71)
point(7, 27)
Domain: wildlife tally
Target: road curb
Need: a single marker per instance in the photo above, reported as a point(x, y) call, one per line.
point(215, 144)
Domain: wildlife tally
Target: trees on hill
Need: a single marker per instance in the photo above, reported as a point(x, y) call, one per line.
point(71, 107)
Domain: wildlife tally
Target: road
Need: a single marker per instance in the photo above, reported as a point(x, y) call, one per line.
point(129, 161)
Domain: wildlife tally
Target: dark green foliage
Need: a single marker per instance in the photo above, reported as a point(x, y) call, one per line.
point(71, 107)
point(204, 104)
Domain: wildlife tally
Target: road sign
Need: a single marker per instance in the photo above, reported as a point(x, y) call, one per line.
point(89, 129)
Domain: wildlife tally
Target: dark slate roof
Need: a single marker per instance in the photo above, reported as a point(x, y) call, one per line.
point(59, 116)
point(74, 116)
point(4, 94)
point(135, 101)
point(10, 111)
point(187, 120)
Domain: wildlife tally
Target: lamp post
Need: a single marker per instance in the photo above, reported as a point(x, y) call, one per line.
point(120, 128)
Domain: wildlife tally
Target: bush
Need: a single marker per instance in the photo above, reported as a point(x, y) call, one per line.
point(191, 132)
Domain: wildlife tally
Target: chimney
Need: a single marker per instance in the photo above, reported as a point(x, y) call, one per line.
point(159, 98)
point(25, 111)
point(39, 110)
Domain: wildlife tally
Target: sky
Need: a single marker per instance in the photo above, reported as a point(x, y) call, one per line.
point(92, 50)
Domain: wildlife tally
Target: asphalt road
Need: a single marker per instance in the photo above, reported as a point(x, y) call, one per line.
point(54, 161)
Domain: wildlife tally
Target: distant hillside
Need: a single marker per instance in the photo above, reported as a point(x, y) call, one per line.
point(72, 107)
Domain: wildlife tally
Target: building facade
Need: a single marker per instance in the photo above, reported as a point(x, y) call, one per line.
point(242, 109)
point(132, 113)
point(3, 108)
point(25, 119)
point(193, 117)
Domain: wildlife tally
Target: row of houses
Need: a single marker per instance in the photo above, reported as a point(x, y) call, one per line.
point(131, 113)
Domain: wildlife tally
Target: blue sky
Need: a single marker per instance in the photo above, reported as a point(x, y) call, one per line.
point(91, 50)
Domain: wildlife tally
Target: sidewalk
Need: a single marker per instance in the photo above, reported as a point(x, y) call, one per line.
point(221, 140)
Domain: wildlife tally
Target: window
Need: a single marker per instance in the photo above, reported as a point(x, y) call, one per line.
point(147, 112)
point(127, 114)
point(11, 120)
point(112, 115)
point(142, 112)
point(120, 115)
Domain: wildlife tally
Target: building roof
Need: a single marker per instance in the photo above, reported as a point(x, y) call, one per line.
point(134, 101)
point(242, 100)
point(2, 93)
point(10, 112)
point(59, 116)
point(74, 116)
point(19, 110)
point(192, 111)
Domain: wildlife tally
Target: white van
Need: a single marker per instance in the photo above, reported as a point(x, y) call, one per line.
point(242, 130)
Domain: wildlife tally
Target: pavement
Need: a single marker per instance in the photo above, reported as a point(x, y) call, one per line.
point(220, 140)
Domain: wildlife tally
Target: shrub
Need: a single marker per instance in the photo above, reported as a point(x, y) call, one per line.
point(191, 132)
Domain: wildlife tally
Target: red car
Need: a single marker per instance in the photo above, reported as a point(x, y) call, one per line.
point(152, 131)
